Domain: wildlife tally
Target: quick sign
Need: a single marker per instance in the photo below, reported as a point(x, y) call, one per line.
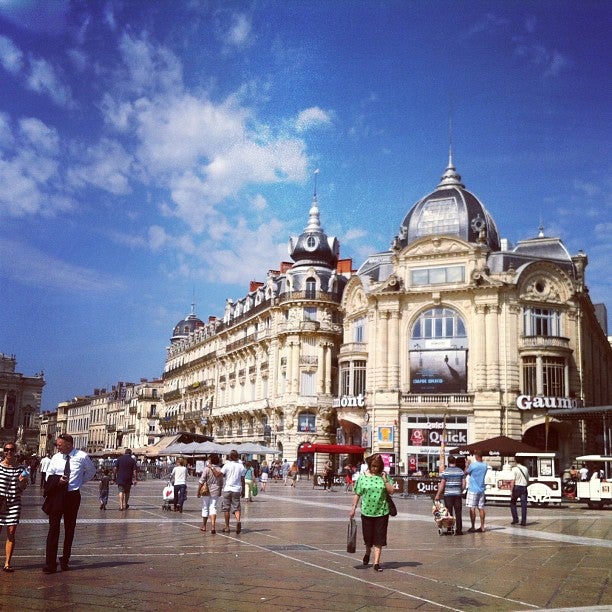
point(527, 402)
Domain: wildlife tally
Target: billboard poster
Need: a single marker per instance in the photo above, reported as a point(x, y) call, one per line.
point(438, 371)
point(386, 437)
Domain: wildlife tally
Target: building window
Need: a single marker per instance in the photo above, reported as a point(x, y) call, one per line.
point(544, 376)
point(438, 275)
point(359, 330)
point(353, 377)
point(308, 384)
point(542, 322)
point(310, 314)
point(438, 323)
point(307, 422)
point(311, 288)
point(530, 379)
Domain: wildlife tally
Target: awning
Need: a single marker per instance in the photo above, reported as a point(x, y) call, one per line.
point(342, 449)
point(498, 446)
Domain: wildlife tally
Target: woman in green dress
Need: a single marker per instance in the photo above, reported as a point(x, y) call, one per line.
point(372, 488)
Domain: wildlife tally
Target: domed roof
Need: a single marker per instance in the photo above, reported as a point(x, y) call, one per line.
point(449, 210)
point(313, 247)
point(185, 326)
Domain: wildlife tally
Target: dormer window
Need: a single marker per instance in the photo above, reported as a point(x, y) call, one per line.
point(312, 242)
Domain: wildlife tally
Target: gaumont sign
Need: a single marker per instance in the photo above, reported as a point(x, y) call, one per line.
point(347, 401)
point(528, 402)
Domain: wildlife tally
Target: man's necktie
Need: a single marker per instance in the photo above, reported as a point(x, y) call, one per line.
point(67, 468)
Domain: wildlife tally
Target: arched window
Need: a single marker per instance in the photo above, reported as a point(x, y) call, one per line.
point(438, 352)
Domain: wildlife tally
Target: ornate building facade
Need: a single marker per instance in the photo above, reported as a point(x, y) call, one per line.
point(452, 336)
point(266, 371)
point(20, 398)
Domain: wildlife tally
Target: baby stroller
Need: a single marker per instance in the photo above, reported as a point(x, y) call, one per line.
point(444, 521)
point(168, 497)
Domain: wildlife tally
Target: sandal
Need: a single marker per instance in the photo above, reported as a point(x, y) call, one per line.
point(8, 569)
point(202, 528)
point(226, 530)
point(366, 559)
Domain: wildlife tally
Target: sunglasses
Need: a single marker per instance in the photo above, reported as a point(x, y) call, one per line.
point(10, 449)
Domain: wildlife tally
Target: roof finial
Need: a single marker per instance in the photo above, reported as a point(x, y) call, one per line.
point(450, 140)
point(314, 222)
point(316, 174)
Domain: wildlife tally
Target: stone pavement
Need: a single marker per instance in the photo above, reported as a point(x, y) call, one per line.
point(291, 555)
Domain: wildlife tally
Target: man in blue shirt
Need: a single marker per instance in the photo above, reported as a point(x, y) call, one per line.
point(452, 483)
point(477, 471)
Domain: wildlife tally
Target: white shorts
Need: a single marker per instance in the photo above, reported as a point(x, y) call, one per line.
point(209, 505)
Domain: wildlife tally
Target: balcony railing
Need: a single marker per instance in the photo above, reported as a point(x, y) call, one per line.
point(544, 342)
point(353, 347)
point(438, 399)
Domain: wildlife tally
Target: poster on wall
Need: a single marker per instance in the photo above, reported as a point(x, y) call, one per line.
point(366, 436)
point(438, 371)
point(386, 436)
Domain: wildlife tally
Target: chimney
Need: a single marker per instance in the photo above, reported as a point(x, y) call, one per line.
point(254, 285)
point(212, 319)
point(285, 265)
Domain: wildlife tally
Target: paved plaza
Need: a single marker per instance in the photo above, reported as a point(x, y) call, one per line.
point(291, 555)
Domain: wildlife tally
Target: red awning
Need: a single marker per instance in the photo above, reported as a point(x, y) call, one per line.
point(345, 449)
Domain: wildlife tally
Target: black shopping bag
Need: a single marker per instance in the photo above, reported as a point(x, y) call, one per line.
point(351, 536)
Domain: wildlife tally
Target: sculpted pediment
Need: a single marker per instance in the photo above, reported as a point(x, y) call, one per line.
point(436, 245)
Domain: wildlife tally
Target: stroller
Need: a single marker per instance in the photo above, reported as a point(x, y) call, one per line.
point(168, 497)
point(444, 521)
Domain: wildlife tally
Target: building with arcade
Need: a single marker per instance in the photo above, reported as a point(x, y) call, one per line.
point(453, 335)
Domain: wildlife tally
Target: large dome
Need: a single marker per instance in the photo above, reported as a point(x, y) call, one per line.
point(185, 326)
point(450, 210)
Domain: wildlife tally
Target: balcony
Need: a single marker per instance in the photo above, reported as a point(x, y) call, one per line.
point(354, 349)
point(438, 399)
point(544, 343)
point(319, 296)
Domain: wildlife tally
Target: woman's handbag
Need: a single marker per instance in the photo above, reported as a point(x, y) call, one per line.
point(254, 489)
point(204, 490)
point(351, 536)
point(392, 506)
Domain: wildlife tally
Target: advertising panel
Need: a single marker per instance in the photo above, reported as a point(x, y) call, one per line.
point(386, 436)
point(438, 371)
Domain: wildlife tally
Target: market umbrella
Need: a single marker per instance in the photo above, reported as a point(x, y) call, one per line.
point(257, 449)
point(500, 446)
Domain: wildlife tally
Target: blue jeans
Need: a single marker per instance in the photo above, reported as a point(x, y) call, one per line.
point(180, 493)
point(519, 492)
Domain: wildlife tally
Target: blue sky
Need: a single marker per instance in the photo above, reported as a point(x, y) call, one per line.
point(155, 153)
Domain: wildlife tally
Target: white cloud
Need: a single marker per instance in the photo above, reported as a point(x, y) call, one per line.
point(44, 80)
point(587, 188)
point(157, 237)
point(354, 234)
point(549, 61)
point(107, 166)
point(149, 67)
point(11, 56)
point(259, 202)
point(312, 117)
point(39, 135)
point(35, 268)
point(239, 32)
point(30, 174)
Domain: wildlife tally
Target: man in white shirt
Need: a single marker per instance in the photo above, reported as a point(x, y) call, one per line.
point(44, 466)
point(519, 491)
point(233, 480)
point(68, 471)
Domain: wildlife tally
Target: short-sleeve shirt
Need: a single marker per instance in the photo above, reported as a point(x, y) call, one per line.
point(233, 473)
point(453, 477)
point(125, 470)
point(477, 472)
point(373, 494)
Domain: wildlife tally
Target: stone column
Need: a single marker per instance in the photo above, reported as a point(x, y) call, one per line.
point(480, 347)
point(328, 368)
point(321, 368)
point(393, 367)
point(383, 353)
point(492, 348)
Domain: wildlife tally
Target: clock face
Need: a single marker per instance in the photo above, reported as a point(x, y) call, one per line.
point(312, 242)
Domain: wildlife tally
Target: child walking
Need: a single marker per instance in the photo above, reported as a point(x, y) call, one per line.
point(104, 484)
